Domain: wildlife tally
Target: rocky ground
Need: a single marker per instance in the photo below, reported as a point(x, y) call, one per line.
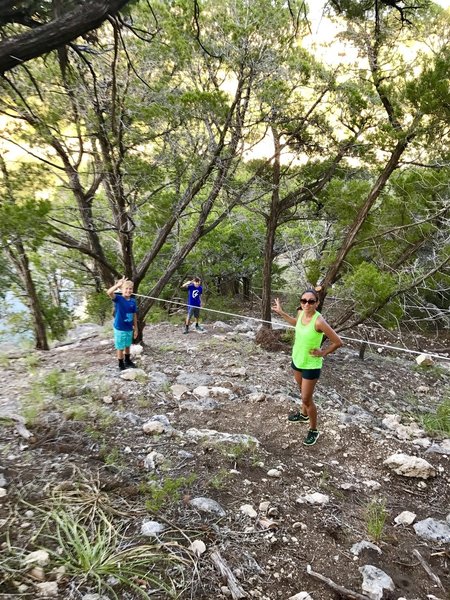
point(191, 460)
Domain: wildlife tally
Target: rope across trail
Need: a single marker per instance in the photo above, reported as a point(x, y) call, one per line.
point(284, 325)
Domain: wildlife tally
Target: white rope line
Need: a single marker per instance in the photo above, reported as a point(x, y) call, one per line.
point(287, 325)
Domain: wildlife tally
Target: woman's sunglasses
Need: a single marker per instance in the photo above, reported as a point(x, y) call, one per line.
point(305, 301)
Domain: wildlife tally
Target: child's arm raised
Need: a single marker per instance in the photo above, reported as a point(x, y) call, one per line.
point(112, 290)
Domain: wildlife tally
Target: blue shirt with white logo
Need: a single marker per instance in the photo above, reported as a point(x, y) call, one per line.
point(125, 309)
point(194, 295)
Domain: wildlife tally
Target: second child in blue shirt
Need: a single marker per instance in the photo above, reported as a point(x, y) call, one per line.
point(195, 290)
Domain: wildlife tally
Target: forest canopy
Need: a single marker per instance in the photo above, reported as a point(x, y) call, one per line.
point(159, 140)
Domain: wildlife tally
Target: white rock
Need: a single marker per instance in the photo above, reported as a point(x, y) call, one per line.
point(3, 492)
point(301, 596)
point(198, 547)
point(47, 589)
point(433, 530)
point(273, 473)
point(220, 392)
point(133, 374)
point(136, 350)
point(264, 506)
point(238, 372)
point(424, 360)
point(375, 581)
point(107, 399)
point(257, 397)
point(152, 528)
point(178, 390)
point(371, 484)
point(316, 498)
point(39, 557)
point(202, 391)
point(153, 428)
point(247, 509)
point(405, 518)
point(94, 597)
point(153, 460)
point(357, 548)
point(410, 466)
point(207, 505)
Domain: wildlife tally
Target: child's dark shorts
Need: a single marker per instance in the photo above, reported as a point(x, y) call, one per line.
point(194, 311)
point(307, 373)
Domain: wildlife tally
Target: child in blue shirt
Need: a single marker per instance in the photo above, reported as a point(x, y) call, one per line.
point(195, 290)
point(125, 321)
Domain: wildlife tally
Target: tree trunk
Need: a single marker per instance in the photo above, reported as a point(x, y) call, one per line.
point(20, 259)
point(361, 216)
point(271, 224)
point(246, 288)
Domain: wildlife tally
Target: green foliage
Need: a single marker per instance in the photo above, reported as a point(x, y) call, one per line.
point(376, 515)
point(98, 307)
point(219, 480)
point(165, 493)
point(95, 551)
point(438, 422)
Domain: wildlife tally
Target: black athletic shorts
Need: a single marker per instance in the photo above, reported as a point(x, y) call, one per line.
point(307, 373)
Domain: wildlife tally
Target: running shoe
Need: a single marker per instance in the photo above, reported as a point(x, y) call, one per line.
point(298, 417)
point(311, 437)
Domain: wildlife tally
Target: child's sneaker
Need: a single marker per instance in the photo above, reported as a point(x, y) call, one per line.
point(298, 417)
point(129, 364)
point(122, 366)
point(199, 328)
point(311, 437)
point(186, 330)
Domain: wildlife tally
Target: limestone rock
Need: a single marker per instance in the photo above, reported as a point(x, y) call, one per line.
point(38, 557)
point(410, 466)
point(247, 509)
point(179, 390)
point(198, 547)
point(152, 528)
point(208, 506)
point(424, 360)
point(357, 548)
point(433, 530)
point(405, 518)
point(133, 375)
point(317, 498)
point(375, 581)
point(47, 589)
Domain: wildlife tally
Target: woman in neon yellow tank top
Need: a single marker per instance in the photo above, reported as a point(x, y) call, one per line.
point(307, 355)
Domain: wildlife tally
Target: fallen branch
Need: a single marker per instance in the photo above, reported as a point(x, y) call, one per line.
point(334, 586)
point(428, 570)
point(225, 571)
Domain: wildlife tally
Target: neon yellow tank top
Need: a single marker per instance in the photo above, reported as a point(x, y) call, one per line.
point(306, 338)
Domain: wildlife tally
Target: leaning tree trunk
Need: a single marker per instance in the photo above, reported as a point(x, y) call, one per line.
point(271, 224)
point(20, 259)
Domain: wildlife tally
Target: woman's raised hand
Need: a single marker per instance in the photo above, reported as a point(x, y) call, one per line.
point(276, 306)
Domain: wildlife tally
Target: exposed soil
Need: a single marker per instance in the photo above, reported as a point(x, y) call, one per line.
point(86, 450)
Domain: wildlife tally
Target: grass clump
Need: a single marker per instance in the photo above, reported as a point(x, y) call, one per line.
point(376, 515)
point(162, 494)
point(439, 421)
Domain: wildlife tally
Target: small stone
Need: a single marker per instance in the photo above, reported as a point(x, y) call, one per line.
point(47, 589)
point(424, 360)
point(316, 498)
point(247, 509)
point(405, 518)
point(39, 557)
point(153, 428)
point(197, 547)
point(152, 528)
point(273, 473)
point(264, 506)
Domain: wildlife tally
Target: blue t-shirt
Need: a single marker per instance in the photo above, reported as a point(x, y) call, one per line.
point(194, 295)
point(125, 309)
